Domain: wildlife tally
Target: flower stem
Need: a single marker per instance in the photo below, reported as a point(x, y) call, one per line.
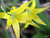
point(5, 11)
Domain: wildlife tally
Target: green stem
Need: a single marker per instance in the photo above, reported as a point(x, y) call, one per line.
point(37, 4)
point(6, 7)
point(4, 10)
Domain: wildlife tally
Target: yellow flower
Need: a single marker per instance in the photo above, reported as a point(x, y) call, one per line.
point(13, 16)
point(28, 21)
point(32, 14)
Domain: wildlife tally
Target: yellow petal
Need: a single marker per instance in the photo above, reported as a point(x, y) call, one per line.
point(35, 25)
point(37, 19)
point(38, 10)
point(9, 22)
point(22, 7)
point(13, 7)
point(22, 17)
point(33, 4)
point(16, 29)
point(6, 16)
point(25, 4)
point(29, 22)
point(26, 25)
point(2, 14)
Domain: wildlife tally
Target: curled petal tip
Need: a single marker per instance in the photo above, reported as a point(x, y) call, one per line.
point(45, 24)
point(6, 28)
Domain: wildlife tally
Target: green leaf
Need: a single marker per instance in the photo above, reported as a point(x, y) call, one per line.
point(37, 4)
point(44, 17)
point(39, 35)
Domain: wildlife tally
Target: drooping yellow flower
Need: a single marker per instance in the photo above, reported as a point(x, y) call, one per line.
point(32, 13)
point(28, 21)
point(13, 16)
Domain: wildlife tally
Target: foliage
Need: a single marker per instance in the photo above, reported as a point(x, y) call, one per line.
point(39, 35)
